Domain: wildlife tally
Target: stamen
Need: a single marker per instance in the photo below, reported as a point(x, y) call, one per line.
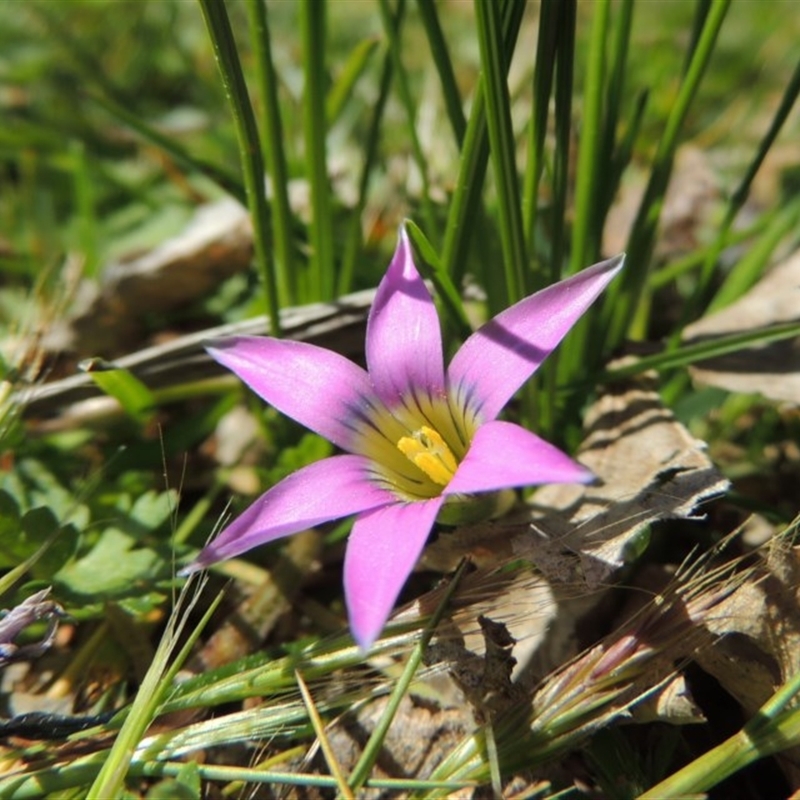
point(427, 450)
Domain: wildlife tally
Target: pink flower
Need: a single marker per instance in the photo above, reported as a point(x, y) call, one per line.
point(418, 439)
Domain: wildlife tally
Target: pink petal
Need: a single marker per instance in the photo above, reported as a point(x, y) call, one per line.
point(503, 454)
point(499, 357)
point(328, 489)
point(383, 548)
point(317, 387)
point(404, 340)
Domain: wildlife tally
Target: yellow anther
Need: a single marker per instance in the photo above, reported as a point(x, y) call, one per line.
point(427, 450)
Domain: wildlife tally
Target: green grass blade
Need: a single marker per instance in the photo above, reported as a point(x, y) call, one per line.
point(353, 69)
point(788, 100)
point(431, 268)
point(624, 297)
point(766, 733)
point(353, 244)
point(591, 158)
point(694, 260)
point(494, 67)
point(702, 7)
point(616, 159)
point(46, 782)
point(700, 351)
point(226, 180)
point(372, 750)
point(565, 60)
point(750, 268)
point(136, 399)
point(156, 683)
point(444, 67)
point(562, 157)
point(465, 203)
point(227, 57)
point(312, 33)
point(272, 145)
point(537, 127)
point(621, 157)
point(392, 31)
point(737, 201)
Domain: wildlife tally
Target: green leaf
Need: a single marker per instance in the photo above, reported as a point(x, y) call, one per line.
point(36, 535)
point(9, 516)
point(134, 397)
point(111, 569)
point(151, 510)
point(310, 448)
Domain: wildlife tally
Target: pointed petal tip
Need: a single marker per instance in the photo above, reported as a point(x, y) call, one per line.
point(607, 268)
point(377, 562)
point(586, 476)
point(404, 339)
point(364, 639)
point(403, 259)
point(220, 344)
point(214, 345)
point(200, 563)
point(615, 263)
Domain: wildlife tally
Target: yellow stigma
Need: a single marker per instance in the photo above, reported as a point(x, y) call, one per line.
point(427, 450)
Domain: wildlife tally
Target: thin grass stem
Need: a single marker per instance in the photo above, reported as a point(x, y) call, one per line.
point(775, 727)
point(272, 146)
point(373, 747)
point(700, 351)
point(319, 728)
point(565, 59)
point(392, 30)
point(750, 268)
point(227, 57)
point(354, 242)
point(735, 204)
point(444, 68)
point(466, 201)
point(494, 67)
point(591, 159)
point(623, 299)
point(537, 127)
point(157, 681)
point(322, 279)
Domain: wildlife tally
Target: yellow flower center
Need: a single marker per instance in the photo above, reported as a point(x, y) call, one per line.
point(426, 449)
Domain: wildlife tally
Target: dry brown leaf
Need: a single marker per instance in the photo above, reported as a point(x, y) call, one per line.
point(216, 243)
point(671, 703)
point(419, 738)
point(772, 370)
point(757, 630)
point(691, 200)
point(648, 467)
point(338, 325)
